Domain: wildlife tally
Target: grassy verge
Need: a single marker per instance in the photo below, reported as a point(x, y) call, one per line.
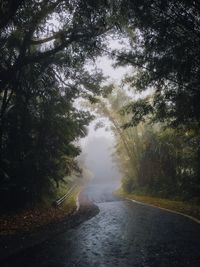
point(177, 206)
point(32, 219)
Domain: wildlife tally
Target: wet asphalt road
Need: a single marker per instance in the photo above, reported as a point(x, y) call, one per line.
point(122, 234)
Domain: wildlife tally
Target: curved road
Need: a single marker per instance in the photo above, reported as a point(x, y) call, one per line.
point(122, 234)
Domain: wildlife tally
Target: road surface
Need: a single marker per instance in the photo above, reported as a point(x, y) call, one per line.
point(122, 234)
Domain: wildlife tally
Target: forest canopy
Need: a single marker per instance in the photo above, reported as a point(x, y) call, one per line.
point(45, 47)
point(154, 159)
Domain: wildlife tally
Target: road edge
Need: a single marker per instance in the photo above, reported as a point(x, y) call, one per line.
point(84, 211)
point(165, 209)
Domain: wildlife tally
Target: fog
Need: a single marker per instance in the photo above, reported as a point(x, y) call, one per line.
point(98, 146)
point(98, 151)
point(104, 176)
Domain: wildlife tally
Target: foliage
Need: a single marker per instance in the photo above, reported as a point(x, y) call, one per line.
point(45, 46)
point(164, 50)
point(163, 39)
point(154, 159)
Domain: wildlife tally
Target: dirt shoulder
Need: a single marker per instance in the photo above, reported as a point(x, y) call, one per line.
point(45, 225)
point(184, 208)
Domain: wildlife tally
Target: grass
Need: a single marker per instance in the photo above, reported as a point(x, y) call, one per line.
point(55, 193)
point(32, 219)
point(174, 205)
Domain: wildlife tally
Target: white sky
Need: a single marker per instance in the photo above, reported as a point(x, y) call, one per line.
point(95, 136)
point(115, 75)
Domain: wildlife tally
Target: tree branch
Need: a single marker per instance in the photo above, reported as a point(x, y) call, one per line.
point(45, 40)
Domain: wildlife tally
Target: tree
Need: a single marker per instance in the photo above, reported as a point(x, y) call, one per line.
point(164, 37)
point(153, 159)
point(44, 48)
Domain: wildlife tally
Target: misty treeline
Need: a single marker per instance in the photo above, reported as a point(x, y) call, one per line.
point(44, 49)
point(153, 158)
point(158, 141)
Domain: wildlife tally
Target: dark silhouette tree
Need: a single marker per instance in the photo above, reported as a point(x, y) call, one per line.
point(44, 48)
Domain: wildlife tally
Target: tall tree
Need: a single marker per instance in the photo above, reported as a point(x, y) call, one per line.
point(153, 159)
point(164, 37)
point(45, 46)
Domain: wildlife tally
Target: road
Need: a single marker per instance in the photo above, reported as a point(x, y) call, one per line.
point(122, 234)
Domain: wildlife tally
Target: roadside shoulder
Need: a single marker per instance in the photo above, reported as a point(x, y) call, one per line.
point(16, 243)
point(185, 209)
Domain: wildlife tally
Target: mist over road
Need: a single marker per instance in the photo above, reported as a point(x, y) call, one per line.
point(122, 234)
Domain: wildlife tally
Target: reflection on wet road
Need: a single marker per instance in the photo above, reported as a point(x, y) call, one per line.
point(122, 234)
